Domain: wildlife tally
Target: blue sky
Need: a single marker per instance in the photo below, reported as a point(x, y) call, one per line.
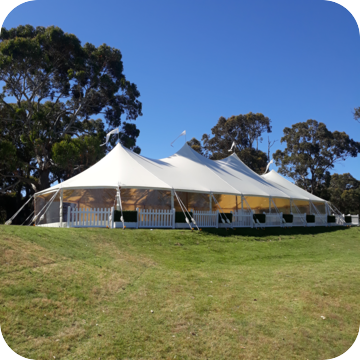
point(194, 61)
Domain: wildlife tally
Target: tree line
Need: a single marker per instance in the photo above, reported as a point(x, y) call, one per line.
point(54, 89)
point(311, 152)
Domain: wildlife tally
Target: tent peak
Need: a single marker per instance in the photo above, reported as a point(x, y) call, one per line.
point(234, 155)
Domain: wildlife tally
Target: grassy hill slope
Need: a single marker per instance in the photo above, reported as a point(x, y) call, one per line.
point(249, 294)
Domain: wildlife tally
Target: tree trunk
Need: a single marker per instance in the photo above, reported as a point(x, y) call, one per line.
point(44, 181)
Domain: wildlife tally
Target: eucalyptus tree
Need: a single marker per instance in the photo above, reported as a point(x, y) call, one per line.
point(245, 131)
point(311, 152)
point(53, 86)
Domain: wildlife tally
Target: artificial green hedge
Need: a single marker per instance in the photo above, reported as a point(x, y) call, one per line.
point(129, 216)
point(310, 218)
point(289, 218)
point(260, 217)
point(331, 219)
point(180, 218)
point(348, 219)
point(228, 216)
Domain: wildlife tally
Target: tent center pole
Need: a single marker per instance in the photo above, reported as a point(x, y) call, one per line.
point(118, 199)
point(210, 202)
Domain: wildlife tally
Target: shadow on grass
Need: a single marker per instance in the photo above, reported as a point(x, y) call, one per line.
point(260, 232)
point(275, 231)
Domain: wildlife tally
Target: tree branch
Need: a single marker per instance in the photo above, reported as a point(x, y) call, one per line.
point(5, 190)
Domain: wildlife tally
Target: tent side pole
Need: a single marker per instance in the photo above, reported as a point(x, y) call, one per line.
point(34, 206)
point(172, 199)
point(210, 202)
point(269, 204)
point(61, 207)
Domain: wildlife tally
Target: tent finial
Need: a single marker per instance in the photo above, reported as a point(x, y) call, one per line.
point(183, 133)
point(268, 165)
point(115, 131)
point(233, 146)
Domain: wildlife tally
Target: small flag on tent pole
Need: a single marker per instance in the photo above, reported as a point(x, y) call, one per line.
point(115, 131)
point(268, 165)
point(183, 133)
point(232, 146)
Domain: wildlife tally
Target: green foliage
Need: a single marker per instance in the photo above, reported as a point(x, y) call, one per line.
point(260, 217)
point(331, 219)
point(256, 160)
point(76, 154)
point(311, 151)
point(195, 144)
point(53, 85)
point(7, 154)
point(310, 218)
point(129, 216)
point(228, 216)
point(180, 217)
point(343, 191)
point(244, 130)
point(289, 218)
point(357, 114)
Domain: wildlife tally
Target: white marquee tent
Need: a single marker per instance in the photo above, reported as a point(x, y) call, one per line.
point(133, 181)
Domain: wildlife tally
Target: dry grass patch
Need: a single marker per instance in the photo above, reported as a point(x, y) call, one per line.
point(16, 255)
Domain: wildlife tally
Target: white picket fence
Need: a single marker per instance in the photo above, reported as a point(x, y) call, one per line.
point(272, 220)
point(355, 220)
point(242, 219)
point(206, 218)
point(89, 217)
point(320, 220)
point(210, 219)
point(156, 218)
point(299, 219)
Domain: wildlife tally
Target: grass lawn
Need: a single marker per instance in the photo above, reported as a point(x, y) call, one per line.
point(237, 294)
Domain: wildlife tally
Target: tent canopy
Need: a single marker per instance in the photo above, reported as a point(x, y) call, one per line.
point(288, 187)
point(185, 171)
